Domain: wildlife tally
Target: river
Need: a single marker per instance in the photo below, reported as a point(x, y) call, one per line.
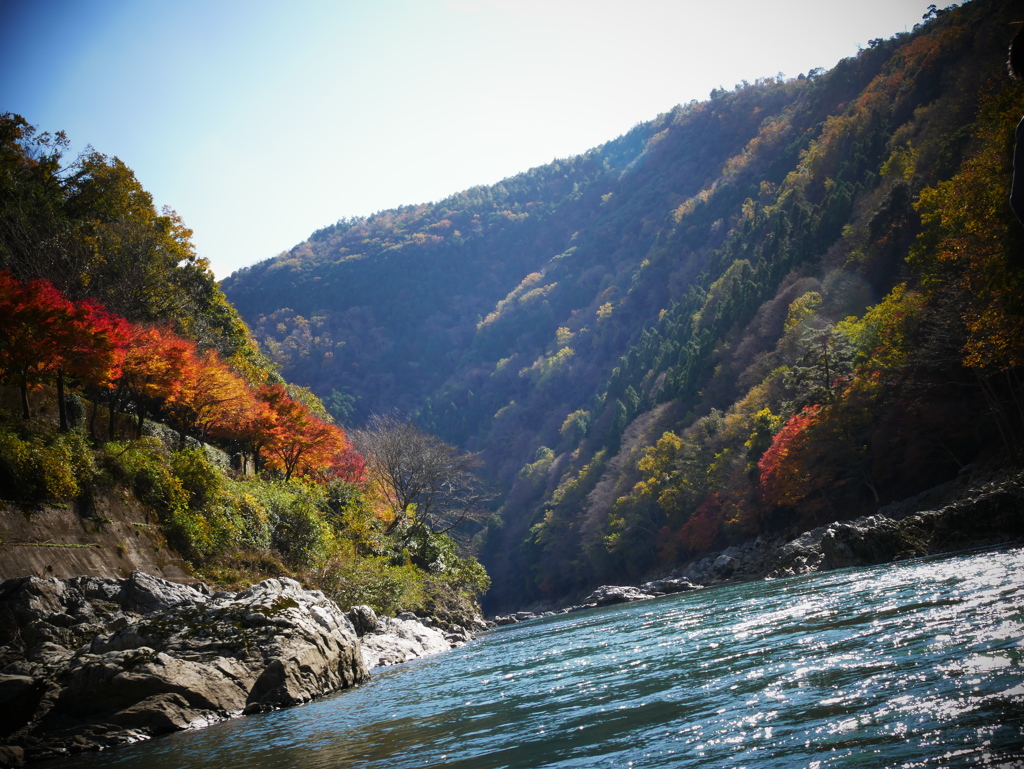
point(915, 664)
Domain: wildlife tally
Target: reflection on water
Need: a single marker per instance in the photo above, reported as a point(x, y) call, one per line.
point(917, 664)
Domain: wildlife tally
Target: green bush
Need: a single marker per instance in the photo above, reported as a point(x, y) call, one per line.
point(46, 465)
point(354, 520)
point(203, 480)
point(237, 530)
point(352, 580)
point(143, 465)
point(252, 516)
point(302, 535)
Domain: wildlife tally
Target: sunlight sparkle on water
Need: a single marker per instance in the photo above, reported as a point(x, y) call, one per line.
point(917, 664)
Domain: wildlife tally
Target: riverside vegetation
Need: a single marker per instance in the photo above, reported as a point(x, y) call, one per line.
point(128, 382)
point(126, 372)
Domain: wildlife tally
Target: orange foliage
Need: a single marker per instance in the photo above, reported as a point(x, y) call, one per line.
point(299, 443)
point(212, 399)
point(151, 370)
point(783, 479)
point(43, 334)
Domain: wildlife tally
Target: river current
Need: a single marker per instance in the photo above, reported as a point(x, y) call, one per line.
point(914, 664)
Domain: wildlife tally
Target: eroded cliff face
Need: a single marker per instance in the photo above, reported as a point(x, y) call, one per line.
point(89, 662)
point(111, 536)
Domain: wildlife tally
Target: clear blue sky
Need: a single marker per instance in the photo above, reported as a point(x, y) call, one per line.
point(260, 121)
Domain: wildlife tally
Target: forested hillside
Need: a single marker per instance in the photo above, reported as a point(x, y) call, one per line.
point(790, 303)
point(129, 383)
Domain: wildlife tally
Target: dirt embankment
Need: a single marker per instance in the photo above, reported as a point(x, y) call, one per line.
point(114, 537)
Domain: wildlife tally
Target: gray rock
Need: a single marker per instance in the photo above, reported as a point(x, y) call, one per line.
point(457, 635)
point(144, 594)
point(612, 594)
point(668, 586)
point(397, 640)
point(160, 713)
point(519, 616)
point(364, 619)
point(871, 540)
point(726, 564)
point(153, 656)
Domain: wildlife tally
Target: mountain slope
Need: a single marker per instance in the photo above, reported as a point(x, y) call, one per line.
point(627, 334)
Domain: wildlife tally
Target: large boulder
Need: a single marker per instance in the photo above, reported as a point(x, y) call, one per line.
point(397, 640)
point(364, 619)
point(612, 594)
point(90, 663)
point(871, 540)
point(668, 586)
point(142, 593)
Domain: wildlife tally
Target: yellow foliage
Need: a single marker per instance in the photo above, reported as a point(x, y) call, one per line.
point(902, 163)
point(966, 244)
point(803, 308)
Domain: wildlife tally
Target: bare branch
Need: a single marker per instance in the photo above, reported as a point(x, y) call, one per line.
point(422, 478)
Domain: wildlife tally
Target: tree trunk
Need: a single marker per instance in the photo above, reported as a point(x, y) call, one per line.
point(25, 412)
point(92, 418)
point(62, 407)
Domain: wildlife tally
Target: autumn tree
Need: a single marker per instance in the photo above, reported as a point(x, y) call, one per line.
point(151, 372)
point(32, 318)
point(92, 344)
point(213, 399)
point(299, 442)
point(423, 480)
point(784, 480)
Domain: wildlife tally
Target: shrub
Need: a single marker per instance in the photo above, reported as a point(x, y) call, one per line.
point(302, 535)
point(203, 481)
point(252, 516)
point(46, 466)
point(351, 580)
point(143, 466)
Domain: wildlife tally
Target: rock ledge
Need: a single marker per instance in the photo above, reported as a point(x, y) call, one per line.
point(88, 663)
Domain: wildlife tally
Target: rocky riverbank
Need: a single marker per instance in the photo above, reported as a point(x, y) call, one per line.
point(88, 663)
point(968, 512)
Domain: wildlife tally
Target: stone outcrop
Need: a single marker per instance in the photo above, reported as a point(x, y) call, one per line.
point(608, 595)
point(987, 515)
point(393, 640)
point(668, 586)
point(519, 616)
point(611, 594)
point(89, 662)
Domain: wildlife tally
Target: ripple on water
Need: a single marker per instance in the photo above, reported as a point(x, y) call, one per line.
point(917, 664)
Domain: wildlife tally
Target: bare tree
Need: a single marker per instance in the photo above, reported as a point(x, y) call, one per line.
point(423, 479)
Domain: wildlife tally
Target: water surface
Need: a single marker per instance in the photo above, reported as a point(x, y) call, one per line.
point(916, 664)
